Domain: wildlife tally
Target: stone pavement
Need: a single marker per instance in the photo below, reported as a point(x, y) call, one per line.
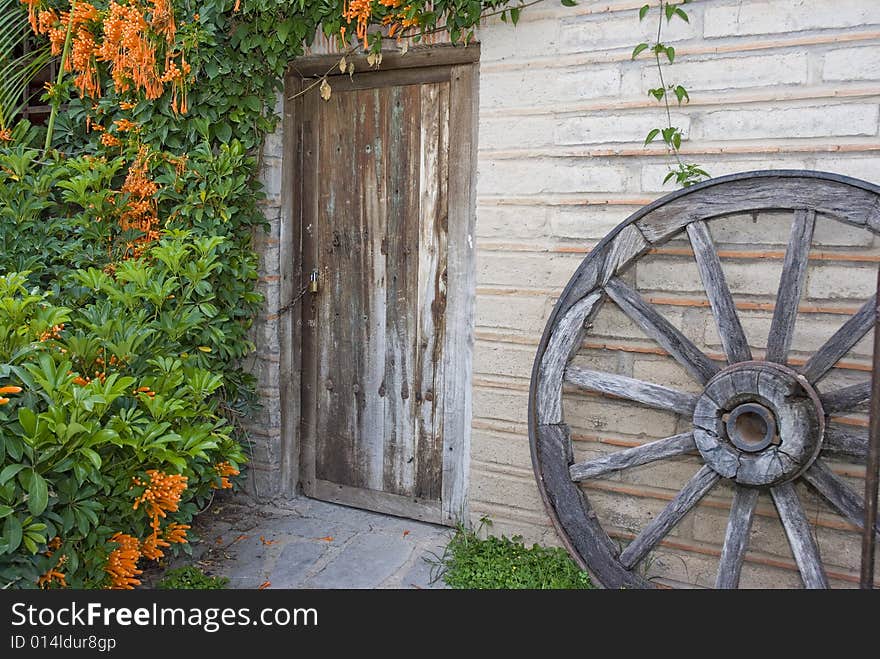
point(313, 544)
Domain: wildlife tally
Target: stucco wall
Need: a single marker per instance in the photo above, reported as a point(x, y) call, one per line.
point(563, 112)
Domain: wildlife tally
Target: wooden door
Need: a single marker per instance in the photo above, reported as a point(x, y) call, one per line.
point(387, 213)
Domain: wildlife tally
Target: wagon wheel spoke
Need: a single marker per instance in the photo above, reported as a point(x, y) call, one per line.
point(633, 457)
point(647, 393)
point(846, 441)
point(733, 338)
point(736, 539)
point(846, 399)
point(841, 342)
point(791, 284)
point(800, 536)
point(661, 330)
point(695, 489)
point(837, 493)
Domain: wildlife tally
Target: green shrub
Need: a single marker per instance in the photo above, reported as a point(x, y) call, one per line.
point(506, 563)
point(114, 384)
point(190, 577)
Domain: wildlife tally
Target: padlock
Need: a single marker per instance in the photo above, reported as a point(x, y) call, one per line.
point(313, 282)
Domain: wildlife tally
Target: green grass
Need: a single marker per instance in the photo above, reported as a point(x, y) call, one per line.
point(506, 563)
point(190, 577)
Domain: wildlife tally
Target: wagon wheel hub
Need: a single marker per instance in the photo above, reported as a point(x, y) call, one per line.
point(759, 423)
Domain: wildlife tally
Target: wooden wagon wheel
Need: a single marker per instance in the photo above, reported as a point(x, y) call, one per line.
point(762, 424)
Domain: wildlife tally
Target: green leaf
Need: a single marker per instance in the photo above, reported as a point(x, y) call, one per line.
point(28, 421)
point(514, 15)
point(651, 136)
point(38, 495)
point(569, 3)
point(12, 533)
point(9, 471)
point(670, 54)
point(638, 49)
point(5, 510)
point(682, 14)
point(93, 457)
point(644, 11)
point(670, 12)
point(223, 132)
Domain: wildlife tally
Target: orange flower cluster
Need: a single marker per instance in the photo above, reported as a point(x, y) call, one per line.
point(5, 135)
point(360, 11)
point(144, 390)
point(122, 562)
point(53, 333)
point(140, 212)
point(161, 496)
point(53, 574)
point(225, 470)
point(126, 42)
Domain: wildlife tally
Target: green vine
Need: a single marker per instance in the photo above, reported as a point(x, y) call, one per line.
point(684, 173)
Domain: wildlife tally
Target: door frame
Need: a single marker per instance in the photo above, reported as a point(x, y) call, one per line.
point(298, 358)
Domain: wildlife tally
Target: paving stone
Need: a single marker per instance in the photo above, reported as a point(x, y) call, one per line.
point(294, 563)
point(312, 528)
point(424, 573)
point(365, 562)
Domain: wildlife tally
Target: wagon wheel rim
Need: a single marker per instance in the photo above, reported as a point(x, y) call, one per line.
point(759, 423)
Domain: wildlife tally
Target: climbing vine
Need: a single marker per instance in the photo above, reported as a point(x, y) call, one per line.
point(684, 173)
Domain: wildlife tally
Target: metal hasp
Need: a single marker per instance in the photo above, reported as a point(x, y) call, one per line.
point(872, 464)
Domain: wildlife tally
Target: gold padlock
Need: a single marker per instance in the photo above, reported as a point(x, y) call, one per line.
point(313, 282)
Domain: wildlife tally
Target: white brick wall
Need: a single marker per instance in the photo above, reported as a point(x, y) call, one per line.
point(563, 115)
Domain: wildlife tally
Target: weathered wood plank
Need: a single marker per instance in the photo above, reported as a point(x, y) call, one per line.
point(309, 162)
point(848, 503)
point(736, 537)
point(571, 512)
point(846, 441)
point(695, 489)
point(401, 156)
point(847, 399)
point(563, 344)
point(661, 330)
point(633, 457)
point(461, 287)
point(431, 303)
point(800, 536)
point(840, 343)
point(426, 510)
point(647, 393)
point(747, 194)
point(733, 338)
point(340, 244)
point(370, 333)
point(417, 57)
point(791, 285)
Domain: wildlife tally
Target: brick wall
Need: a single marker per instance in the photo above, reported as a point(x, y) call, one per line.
point(563, 112)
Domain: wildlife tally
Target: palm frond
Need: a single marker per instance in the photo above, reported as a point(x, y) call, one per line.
point(17, 70)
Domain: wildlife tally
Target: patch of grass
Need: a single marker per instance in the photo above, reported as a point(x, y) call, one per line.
point(190, 577)
point(506, 563)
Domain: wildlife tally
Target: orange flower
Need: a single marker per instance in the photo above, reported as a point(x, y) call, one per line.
point(151, 547)
point(52, 575)
point(4, 401)
point(5, 135)
point(124, 125)
point(225, 470)
point(176, 533)
point(110, 140)
point(10, 389)
point(122, 562)
point(53, 333)
point(125, 105)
